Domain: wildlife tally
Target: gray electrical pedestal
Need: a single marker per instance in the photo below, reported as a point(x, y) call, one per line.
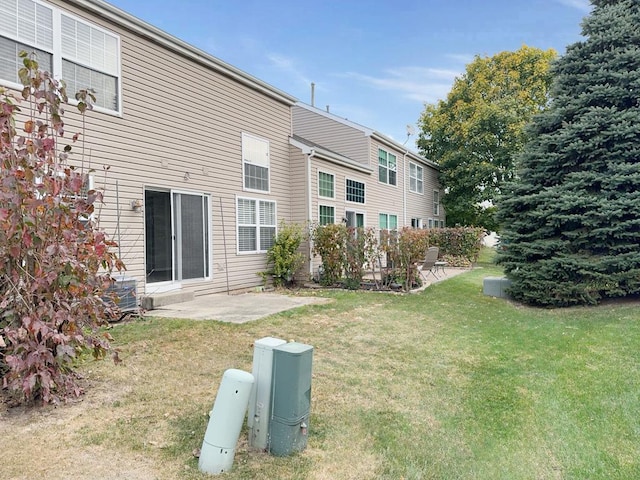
point(290, 398)
point(260, 400)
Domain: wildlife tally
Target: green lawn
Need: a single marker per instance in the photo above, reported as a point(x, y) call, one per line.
point(445, 384)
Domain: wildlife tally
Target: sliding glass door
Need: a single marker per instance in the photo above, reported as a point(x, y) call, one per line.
point(177, 236)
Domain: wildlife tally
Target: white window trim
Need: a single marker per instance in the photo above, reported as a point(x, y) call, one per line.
point(329, 206)
point(416, 178)
point(388, 214)
point(387, 167)
point(436, 205)
point(334, 184)
point(345, 192)
point(242, 146)
point(57, 55)
point(259, 251)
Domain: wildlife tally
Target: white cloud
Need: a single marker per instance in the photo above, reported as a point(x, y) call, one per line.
point(414, 83)
point(288, 66)
point(583, 5)
point(460, 57)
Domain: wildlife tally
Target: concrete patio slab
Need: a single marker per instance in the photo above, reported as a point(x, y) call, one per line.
point(236, 308)
point(245, 307)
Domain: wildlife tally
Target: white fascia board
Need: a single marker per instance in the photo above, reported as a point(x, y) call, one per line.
point(323, 154)
point(181, 47)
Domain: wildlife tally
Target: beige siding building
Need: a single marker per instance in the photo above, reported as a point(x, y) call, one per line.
point(197, 159)
point(360, 177)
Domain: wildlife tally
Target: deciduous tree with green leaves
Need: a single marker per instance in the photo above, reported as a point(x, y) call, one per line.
point(572, 220)
point(475, 134)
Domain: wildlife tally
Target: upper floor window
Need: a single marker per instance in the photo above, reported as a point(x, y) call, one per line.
point(83, 55)
point(436, 202)
point(416, 178)
point(355, 191)
point(326, 185)
point(387, 167)
point(255, 163)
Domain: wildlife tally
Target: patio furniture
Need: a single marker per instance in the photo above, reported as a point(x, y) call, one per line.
point(429, 264)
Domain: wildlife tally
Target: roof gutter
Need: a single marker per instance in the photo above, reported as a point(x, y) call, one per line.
point(180, 47)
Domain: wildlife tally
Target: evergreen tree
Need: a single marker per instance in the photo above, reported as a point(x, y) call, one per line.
point(571, 222)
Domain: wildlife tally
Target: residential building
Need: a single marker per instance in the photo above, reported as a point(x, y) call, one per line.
point(198, 159)
point(356, 175)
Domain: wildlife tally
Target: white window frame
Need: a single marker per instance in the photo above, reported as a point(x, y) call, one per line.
point(387, 167)
point(246, 139)
point(333, 180)
point(346, 191)
point(416, 222)
point(257, 225)
point(320, 205)
point(436, 202)
point(388, 215)
point(56, 50)
point(430, 223)
point(414, 169)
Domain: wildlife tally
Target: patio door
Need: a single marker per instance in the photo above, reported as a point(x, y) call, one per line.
point(354, 219)
point(177, 234)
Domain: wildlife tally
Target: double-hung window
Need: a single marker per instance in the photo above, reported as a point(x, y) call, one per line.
point(83, 55)
point(355, 191)
point(326, 185)
point(387, 167)
point(416, 178)
point(255, 163)
point(436, 202)
point(256, 225)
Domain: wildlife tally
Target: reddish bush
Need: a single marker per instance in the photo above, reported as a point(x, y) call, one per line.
point(55, 263)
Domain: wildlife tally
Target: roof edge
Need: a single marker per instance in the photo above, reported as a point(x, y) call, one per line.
point(181, 47)
point(310, 148)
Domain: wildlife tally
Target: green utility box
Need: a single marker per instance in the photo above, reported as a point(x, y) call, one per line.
point(290, 398)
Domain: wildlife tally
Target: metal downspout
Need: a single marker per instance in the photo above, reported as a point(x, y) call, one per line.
point(311, 154)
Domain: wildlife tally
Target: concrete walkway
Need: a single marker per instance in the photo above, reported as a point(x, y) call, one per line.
point(245, 307)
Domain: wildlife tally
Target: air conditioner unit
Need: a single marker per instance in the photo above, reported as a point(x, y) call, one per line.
point(124, 289)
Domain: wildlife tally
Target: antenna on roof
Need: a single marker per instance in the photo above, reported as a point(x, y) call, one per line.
point(410, 131)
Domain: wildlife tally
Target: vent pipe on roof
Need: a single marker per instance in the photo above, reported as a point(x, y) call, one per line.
point(327, 108)
point(313, 94)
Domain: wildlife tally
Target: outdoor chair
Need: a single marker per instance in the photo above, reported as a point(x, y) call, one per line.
point(429, 264)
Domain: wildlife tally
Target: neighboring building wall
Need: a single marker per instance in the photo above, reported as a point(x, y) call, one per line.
point(386, 198)
point(181, 130)
point(310, 123)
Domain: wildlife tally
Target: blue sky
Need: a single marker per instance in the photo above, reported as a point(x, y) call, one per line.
point(374, 62)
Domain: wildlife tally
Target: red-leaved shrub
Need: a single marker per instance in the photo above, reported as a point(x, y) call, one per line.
point(55, 263)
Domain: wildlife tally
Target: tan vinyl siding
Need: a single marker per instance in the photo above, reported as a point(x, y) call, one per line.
point(298, 191)
point(388, 198)
point(181, 129)
point(331, 134)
